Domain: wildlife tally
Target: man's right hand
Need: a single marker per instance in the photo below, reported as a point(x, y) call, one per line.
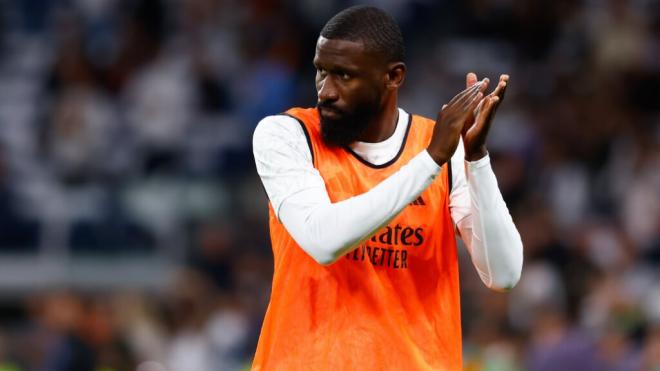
point(451, 120)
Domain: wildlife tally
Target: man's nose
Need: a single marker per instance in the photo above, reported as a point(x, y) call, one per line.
point(327, 90)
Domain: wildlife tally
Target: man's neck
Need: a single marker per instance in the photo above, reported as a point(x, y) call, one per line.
point(383, 125)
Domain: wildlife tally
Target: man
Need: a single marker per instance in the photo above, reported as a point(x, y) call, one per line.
point(365, 201)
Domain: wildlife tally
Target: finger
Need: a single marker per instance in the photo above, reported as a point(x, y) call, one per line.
point(468, 115)
point(484, 85)
point(470, 79)
point(504, 79)
point(472, 105)
point(479, 108)
point(499, 89)
point(467, 99)
point(443, 107)
point(470, 118)
point(503, 90)
point(489, 106)
point(499, 93)
point(476, 130)
point(465, 93)
point(484, 120)
point(458, 97)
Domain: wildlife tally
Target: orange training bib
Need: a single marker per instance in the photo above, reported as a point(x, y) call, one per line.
point(390, 304)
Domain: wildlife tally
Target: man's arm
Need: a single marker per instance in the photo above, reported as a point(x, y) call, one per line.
point(327, 230)
point(484, 224)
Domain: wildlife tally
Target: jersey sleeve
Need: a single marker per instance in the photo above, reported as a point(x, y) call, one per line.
point(483, 222)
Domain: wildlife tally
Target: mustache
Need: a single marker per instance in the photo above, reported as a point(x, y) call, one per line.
point(329, 106)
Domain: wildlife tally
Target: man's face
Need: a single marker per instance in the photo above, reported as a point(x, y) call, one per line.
point(349, 84)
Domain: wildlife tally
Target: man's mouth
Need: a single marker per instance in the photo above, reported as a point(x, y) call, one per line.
point(330, 112)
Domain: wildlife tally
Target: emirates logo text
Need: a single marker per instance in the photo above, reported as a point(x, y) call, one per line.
point(388, 247)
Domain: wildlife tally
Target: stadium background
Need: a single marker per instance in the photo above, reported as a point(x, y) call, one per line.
point(133, 225)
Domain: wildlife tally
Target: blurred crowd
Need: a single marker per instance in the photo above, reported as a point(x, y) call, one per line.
point(125, 132)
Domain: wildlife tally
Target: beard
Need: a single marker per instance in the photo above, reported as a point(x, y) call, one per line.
point(349, 126)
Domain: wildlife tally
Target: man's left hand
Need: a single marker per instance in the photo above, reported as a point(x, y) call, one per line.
point(474, 133)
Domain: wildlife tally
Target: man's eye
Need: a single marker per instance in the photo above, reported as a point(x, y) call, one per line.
point(345, 76)
point(321, 71)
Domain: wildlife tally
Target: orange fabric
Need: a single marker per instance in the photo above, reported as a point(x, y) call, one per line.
point(392, 303)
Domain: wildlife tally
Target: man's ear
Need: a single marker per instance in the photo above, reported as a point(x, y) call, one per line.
point(396, 74)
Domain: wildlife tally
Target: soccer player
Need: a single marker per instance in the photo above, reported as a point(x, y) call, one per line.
point(365, 202)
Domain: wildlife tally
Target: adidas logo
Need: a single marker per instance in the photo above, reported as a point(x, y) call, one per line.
point(418, 202)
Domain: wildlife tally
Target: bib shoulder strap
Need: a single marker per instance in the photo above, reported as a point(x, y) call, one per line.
point(308, 118)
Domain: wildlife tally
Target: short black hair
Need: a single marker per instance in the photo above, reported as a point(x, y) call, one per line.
point(373, 26)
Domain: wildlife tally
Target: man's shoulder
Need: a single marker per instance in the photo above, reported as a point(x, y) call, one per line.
point(277, 126)
point(306, 114)
point(287, 114)
point(293, 117)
